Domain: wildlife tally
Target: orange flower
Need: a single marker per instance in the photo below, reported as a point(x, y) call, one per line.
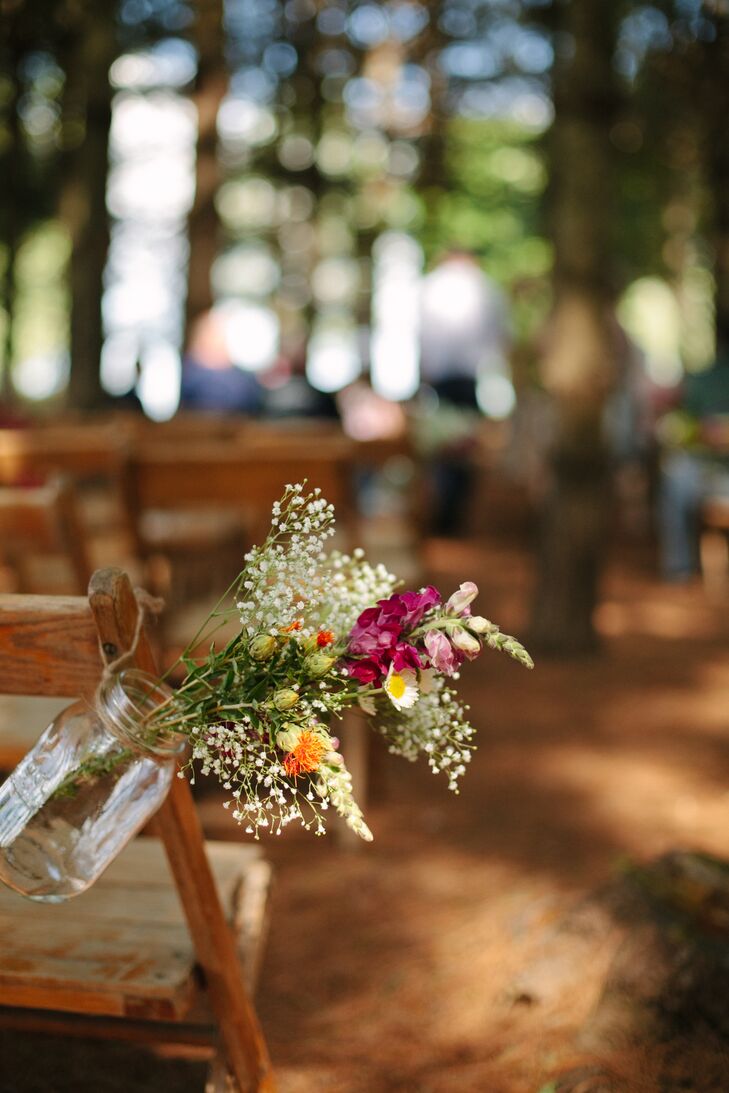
point(295, 625)
point(324, 637)
point(306, 755)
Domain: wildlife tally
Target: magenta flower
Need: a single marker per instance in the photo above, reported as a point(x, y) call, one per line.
point(374, 639)
point(368, 670)
point(405, 655)
point(443, 656)
point(417, 604)
point(378, 636)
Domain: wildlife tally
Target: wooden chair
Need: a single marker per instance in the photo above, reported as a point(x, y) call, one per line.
point(129, 958)
point(247, 475)
point(38, 522)
point(714, 543)
point(93, 458)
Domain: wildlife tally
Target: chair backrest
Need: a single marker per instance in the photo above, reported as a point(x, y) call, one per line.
point(39, 521)
point(248, 475)
point(83, 451)
point(56, 645)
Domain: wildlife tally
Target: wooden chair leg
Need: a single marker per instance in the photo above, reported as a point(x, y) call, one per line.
point(219, 1079)
point(243, 1043)
point(115, 611)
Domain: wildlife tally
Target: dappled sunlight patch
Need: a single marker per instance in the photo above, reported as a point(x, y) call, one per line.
point(664, 619)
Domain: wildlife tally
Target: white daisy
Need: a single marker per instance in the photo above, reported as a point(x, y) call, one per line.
point(402, 688)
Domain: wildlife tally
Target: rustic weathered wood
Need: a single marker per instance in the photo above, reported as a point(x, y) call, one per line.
point(116, 612)
point(48, 646)
point(714, 544)
point(122, 948)
point(715, 513)
point(137, 963)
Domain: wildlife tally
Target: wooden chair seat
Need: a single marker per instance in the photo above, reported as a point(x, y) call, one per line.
point(123, 948)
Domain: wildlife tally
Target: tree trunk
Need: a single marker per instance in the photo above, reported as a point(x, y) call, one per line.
point(203, 226)
point(12, 215)
point(714, 106)
point(579, 359)
point(83, 202)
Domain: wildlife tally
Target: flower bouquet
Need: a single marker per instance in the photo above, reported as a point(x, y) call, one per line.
point(322, 632)
point(318, 633)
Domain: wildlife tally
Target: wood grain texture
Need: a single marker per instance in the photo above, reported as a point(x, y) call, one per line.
point(123, 947)
point(48, 646)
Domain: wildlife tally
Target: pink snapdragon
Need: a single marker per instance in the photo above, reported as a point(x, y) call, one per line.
point(442, 655)
point(459, 602)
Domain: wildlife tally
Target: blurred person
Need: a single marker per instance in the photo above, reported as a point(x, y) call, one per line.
point(696, 466)
point(464, 343)
point(210, 379)
point(288, 392)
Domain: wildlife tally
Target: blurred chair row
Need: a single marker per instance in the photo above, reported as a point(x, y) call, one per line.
point(177, 507)
point(194, 498)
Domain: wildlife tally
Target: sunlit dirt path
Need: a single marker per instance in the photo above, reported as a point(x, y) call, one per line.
point(392, 968)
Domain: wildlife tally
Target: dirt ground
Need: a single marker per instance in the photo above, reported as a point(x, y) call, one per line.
point(395, 968)
point(392, 969)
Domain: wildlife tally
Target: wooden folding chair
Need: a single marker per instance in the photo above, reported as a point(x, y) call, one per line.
point(119, 961)
point(38, 522)
point(247, 475)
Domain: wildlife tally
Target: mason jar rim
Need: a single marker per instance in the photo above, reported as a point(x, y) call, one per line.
point(122, 698)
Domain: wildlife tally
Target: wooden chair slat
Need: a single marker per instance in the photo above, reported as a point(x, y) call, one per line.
point(48, 646)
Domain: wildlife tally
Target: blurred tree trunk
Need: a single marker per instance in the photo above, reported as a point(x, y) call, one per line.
point(578, 364)
point(211, 85)
point(83, 201)
point(713, 114)
point(9, 229)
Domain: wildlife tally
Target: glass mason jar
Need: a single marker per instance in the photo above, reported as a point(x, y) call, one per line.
point(94, 778)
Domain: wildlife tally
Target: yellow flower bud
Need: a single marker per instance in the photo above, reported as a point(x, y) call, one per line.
point(318, 664)
point(262, 647)
point(288, 737)
point(285, 699)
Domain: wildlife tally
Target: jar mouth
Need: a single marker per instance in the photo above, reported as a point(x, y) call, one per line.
point(127, 702)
